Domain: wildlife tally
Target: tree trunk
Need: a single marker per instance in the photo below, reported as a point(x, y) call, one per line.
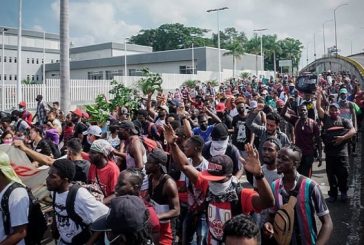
point(64, 56)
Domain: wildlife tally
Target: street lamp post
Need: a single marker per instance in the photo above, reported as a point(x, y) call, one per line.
point(261, 46)
point(218, 36)
point(193, 61)
point(341, 5)
point(314, 45)
point(125, 62)
point(18, 83)
point(323, 34)
point(3, 30)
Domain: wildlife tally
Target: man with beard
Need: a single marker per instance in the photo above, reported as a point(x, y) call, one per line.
point(336, 132)
point(270, 129)
point(85, 205)
point(224, 200)
point(310, 201)
point(163, 193)
point(307, 138)
point(103, 171)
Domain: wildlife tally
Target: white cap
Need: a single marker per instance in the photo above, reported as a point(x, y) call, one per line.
point(93, 130)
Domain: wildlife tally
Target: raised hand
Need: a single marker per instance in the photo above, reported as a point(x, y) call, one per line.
point(169, 134)
point(251, 162)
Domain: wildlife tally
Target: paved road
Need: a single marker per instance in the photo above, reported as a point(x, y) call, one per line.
point(348, 218)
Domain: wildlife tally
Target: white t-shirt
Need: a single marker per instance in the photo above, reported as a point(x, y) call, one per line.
point(18, 208)
point(270, 175)
point(86, 206)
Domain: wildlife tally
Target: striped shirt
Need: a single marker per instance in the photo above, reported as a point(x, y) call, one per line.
point(309, 201)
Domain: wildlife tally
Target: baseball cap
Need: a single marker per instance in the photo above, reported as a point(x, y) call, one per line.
point(85, 115)
point(219, 131)
point(218, 168)
point(93, 130)
point(22, 104)
point(127, 214)
point(335, 105)
point(124, 111)
point(253, 104)
point(6, 168)
point(77, 112)
point(343, 91)
point(220, 107)
point(161, 157)
point(128, 125)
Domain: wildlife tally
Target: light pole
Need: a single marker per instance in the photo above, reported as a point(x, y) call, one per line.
point(125, 64)
point(261, 46)
point(308, 44)
point(3, 30)
point(314, 45)
point(193, 60)
point(323, 34)
point(218, 36)
point(18, 82)
point(341, 5)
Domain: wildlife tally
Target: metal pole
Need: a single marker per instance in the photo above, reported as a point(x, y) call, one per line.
point(274, 64)
point(2, 73)
point(43, 80)
point(314, 45)
point(193, 61)
point(65, 61)
point(218, 37)
point(261, 51)
point(323, 36)
point(218, 45)
point(307, 54)
point(341, 5)
point(18, 83)
point(125, 65)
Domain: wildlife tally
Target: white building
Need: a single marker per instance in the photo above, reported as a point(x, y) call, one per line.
point(35, 46)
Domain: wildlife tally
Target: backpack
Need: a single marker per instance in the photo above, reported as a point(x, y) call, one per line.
point(85, 234)
point(35, 216)
point(283, 224)
point(150, 144)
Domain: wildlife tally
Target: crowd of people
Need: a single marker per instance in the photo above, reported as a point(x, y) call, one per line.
point(202, 165)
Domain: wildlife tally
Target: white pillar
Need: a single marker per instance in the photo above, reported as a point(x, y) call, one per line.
point(19, 76)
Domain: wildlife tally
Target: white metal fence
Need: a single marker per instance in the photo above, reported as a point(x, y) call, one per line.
point(85, 91)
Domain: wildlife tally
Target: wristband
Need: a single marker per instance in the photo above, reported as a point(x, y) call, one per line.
point(260, 176)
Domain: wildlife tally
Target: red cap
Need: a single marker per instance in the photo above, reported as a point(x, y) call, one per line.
point(77, 112)
point(85, 115)
point(23, 104)
point(220, 107)
point(280, 102)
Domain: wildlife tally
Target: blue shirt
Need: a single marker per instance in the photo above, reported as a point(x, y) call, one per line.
point(204, 134)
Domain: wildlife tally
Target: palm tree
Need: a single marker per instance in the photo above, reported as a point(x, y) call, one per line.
point(236, 49)
point(253, 47)
point(64, 56)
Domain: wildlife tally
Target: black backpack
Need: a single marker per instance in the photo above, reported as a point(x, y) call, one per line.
point(35, 217)
point(85, 234)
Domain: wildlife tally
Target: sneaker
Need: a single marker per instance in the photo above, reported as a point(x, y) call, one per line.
point(344, 197)
point(332, 199)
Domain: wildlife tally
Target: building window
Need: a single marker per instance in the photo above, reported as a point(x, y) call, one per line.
point(37, 77)
point(186, 70)
point(15, 78)
point(32, 60)
point(28, 77)
point(52, 61)
point(57, 61)
point(28, 60)
point(95, 75)
point(32, 77)
point(14, 59)
point(42, 61)
point(37, 61)
point(4, 77)
point(10, 77)
point(135, 72)
point(5, 60)
point(111, 74)
point(10, 59)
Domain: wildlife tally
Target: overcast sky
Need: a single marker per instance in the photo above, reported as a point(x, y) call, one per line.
point(96, 21)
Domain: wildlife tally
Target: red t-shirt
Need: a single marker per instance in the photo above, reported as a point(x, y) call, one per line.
point(108, 177)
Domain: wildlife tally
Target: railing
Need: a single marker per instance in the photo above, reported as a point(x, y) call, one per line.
point(85, 91)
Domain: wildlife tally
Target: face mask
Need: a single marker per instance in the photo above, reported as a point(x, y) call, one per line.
point(8, 141)
point(88, 140)
point(218, 147)
point(21, 109)
point(218, 189)
point(343, 98)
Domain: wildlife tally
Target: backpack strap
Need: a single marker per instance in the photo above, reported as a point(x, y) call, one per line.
point(5, 206)
point(70, 206)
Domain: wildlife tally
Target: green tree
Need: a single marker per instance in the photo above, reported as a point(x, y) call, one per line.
point(227, 37)
point(252, 46)
point(291, 49)
point(172, 36)
point(236, 50)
